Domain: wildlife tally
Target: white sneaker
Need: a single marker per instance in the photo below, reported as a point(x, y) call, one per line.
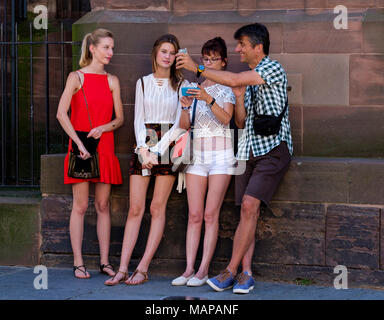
point(196, 282)
point(181, 281)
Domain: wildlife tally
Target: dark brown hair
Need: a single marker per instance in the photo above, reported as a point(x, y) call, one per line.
point(176, 76)
point(216, 45)
point(257, 34)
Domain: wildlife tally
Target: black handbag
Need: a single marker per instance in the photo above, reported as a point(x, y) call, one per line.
point(266, 125)
point(88, 168)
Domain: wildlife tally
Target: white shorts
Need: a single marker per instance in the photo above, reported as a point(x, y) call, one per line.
point(213, 162)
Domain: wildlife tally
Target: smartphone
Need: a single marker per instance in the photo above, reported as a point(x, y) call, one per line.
point(185, 89)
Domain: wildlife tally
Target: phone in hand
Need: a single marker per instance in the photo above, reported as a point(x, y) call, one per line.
point(185, 89)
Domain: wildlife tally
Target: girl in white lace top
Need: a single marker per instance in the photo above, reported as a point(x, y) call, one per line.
point(208, 177)
point(212, 135)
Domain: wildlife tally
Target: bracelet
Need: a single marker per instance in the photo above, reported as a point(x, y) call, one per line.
point(186, 108)
point(155, 152)
point(212, 103)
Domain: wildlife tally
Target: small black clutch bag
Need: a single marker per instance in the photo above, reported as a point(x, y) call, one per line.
point(88, 168)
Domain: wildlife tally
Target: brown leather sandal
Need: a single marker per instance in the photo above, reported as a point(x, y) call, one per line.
point(144, 274)
point(120, 281)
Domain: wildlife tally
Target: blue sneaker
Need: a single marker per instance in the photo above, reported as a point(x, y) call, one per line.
point(244, 283)
point(223, 281)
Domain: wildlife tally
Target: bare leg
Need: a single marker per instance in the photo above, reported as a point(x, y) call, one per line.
point(76, 223)
point(196, 189)
point(138, 186)
point(247, 260)
point(162, 190)
point(217, 187)
point(245, 232)
point(102, 192)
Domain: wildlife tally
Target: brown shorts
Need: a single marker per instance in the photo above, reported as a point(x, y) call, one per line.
point(262, 175)
point(153, 135)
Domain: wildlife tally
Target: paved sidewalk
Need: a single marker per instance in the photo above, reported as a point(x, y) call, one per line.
point(17, 283)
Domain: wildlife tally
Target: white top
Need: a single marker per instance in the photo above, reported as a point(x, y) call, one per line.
point(210, 133)
point(159, 105)
point(206, 123)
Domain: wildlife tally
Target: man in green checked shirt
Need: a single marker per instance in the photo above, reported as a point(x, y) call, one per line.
point(261, 90)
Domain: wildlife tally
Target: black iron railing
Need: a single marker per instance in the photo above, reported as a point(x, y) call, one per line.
point(21, 140)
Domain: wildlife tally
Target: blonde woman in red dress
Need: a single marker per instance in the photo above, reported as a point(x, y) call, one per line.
point(102, 94)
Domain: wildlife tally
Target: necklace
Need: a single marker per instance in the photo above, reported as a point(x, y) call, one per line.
point(159, 82)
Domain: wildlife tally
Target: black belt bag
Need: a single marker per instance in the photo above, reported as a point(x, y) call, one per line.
point(267, 125)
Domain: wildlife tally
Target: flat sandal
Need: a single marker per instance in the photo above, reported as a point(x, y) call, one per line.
point(120, 281)
point(145, 274)
point(83, 271)
point(106, 266)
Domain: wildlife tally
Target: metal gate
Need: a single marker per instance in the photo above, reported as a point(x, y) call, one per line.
point(31, 82)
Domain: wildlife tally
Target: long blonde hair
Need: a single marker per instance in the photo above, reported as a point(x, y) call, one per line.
point(176, 76)
point(92, 38)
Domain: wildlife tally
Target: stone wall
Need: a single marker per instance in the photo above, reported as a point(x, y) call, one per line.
point(336, 98)
point(325, 213)
point(328, 209)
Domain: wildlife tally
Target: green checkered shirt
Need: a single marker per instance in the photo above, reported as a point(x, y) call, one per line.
point(268, 98)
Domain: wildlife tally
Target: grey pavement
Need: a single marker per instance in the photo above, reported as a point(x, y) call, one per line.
point(17, 283)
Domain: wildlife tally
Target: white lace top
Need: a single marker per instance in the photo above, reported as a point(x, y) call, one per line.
point(212, 138)
point(158, 105)
point(206, 123)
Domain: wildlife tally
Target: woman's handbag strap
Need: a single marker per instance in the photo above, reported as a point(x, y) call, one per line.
point(86, 103)
point(193, 117)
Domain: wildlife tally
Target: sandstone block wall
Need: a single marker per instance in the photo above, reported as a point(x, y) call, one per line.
point(328, 210)
point(336, 95)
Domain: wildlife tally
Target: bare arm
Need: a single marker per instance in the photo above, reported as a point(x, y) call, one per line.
point(118, 106)
point(240, 112)
point(72, 85)
point(185, 120)
point(224, 115)
point(227, 78)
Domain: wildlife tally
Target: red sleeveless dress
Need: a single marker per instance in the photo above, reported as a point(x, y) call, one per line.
point(100, 105)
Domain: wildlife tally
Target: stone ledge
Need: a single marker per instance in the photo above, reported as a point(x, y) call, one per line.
point(19, 201)
point(288, 233)
point(20, 237)
point(130, 4)
point(309, 179)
